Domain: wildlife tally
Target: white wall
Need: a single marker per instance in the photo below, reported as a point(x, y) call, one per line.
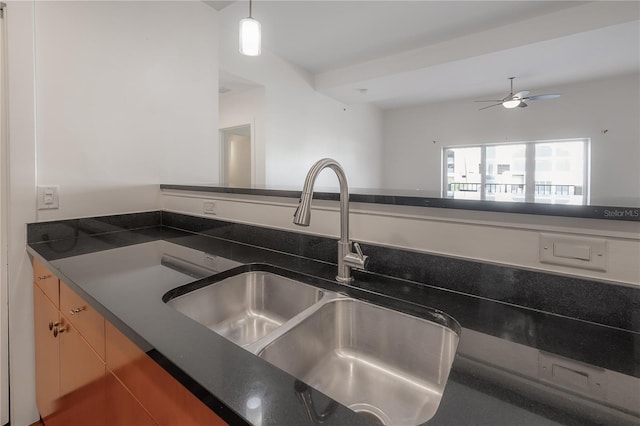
point(127, 98)
point(413, 161)
point(499, 238)
point(21, 206)
point(302, 125)
point(247, 107)
point(4, 247)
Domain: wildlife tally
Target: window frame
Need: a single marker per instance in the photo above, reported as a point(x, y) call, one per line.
point(530, 161)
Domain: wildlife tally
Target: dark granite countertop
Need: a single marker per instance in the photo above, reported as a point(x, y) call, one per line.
point(625, 210)
point(124, 275)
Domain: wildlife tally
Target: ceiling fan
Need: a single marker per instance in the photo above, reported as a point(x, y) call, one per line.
point(517, 99)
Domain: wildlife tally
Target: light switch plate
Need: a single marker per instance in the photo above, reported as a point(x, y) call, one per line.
point(577, 252)
point(48, 197)
point(209, 207)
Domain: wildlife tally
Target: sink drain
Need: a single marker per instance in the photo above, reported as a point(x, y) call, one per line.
point(373, 414)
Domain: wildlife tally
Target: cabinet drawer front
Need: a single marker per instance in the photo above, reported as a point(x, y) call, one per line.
point(86, 319)
point(47, 281)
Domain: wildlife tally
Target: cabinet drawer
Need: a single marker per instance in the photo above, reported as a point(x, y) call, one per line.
point(47, 281)
point(86, 319)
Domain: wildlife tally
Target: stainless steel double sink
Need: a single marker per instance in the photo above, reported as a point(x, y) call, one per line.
point(387, 365)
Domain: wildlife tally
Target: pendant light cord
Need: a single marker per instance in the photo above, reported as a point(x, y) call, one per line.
point(250, 3)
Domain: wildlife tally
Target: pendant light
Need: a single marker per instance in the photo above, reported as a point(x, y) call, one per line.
point(250, 35)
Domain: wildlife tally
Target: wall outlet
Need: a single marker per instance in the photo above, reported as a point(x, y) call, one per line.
point(209, 207)
point(48, 198)
point(577, 252)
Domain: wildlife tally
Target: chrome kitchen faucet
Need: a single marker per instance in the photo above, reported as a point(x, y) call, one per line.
point(347, 259)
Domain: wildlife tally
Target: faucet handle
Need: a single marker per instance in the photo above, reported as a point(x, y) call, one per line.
point(356, 260)
point(358, 250)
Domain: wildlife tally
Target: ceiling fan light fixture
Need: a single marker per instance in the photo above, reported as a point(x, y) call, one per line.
point(511, 103)
point(516, 100)
point(250, 36)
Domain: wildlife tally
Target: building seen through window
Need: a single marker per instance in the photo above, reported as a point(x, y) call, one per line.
point(554, 172)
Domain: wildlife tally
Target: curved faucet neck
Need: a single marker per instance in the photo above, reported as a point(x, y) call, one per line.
point(307, 195)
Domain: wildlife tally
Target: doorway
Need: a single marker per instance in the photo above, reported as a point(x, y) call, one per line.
point(236, 156)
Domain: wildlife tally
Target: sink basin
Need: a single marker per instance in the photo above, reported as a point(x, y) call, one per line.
point(383, 364)
point(246, 307)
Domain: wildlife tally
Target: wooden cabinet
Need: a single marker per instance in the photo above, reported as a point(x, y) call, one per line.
point(88, 372)
point(47, 282)
point(82, 381)
point(123, 409)
point(69, 374)
point(88, 321)
point(47, 354)
point(70, 385)
point(168, 402)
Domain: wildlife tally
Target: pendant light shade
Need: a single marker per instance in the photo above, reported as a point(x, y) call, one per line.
point(250, 36)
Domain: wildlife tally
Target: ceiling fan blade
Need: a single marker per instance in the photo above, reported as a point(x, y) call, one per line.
point(538, 97)
point(491, 100)
point(521, 94)
point(522, 105)
point(490, 106)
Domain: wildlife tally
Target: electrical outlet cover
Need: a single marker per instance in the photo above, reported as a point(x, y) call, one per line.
point(577, 252)
point(48, 197)
point(209, 207)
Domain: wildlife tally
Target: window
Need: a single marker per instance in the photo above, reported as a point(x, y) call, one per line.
point(462, 166)
point(553, 172)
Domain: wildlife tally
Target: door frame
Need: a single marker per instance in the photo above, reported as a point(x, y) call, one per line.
point(4, 239)
point(223, 150)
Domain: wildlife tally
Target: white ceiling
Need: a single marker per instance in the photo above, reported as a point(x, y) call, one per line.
point(219, 4)
point(324, 35)
point(410, 52)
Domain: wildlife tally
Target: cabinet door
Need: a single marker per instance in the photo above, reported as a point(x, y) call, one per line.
point(168, 402)
point(46, 281)
point(122, 407)
point(82, 380)
point(47, 354)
